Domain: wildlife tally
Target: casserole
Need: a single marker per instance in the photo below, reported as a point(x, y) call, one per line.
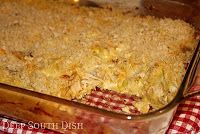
point(42, 106)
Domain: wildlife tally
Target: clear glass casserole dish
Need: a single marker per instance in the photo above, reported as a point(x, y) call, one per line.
point(29, 106)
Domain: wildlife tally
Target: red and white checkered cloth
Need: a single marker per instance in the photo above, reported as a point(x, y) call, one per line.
point(186, 119)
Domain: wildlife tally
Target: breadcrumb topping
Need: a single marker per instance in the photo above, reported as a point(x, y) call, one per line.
point(66, 51)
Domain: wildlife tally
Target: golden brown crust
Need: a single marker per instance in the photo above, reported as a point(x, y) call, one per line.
point(66, 51)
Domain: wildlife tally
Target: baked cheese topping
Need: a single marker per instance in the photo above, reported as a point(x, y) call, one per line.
point(67, 51)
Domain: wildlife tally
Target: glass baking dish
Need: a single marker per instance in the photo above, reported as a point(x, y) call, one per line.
point(68, 116)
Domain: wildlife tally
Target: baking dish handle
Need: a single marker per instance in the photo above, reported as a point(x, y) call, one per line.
point(191, 82)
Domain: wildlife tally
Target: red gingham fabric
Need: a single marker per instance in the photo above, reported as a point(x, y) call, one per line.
point(185, 121)
point(187, 117)
point(111, 101)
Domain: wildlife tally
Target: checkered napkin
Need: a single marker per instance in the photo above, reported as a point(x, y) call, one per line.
point(186, 119)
